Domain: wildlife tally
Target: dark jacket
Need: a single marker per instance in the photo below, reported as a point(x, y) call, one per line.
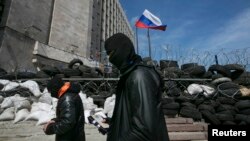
point(69, 122)
point(137, 114)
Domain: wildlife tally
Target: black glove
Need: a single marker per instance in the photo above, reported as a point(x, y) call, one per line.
point(100, 128)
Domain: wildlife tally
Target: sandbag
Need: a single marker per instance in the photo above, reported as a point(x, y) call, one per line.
point(21, 115)
point(194, 89)
point(45, 97)
point(7, 103)
point(32, 86)
point(10, 86)
point(8, 114)
point(43, 119)
point(35, 115)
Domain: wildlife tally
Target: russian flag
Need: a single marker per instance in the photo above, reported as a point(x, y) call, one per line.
point(148, 20)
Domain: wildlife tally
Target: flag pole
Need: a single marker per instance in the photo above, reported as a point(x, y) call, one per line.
point(137, 47)
point(149, 45)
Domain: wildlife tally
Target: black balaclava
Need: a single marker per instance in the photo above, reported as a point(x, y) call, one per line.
point(121, 51)
point(54, 85)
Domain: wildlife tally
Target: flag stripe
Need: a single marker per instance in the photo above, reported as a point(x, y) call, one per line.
point(148, 20)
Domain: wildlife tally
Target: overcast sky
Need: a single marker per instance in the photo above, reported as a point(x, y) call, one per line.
point(198, 27)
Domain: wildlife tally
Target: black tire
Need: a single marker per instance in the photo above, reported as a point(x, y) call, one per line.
point(240, 117)
point(210, 118)
point(190, 113)
point(84, 69)
point(73, 62)
point(41, 74)
point(51, 71)
point(171, 106)
point(225, 117)
point(188, 104)
point(235, 69)
point(229, 123)
point(229, 89)
point(245, 111)
point(168, 63)
point(226, 100)
point(243, 104)
point(71, 72)
point(209, 108)
point(188, 65)
point(170, 112)
point(25, 75)
point(167, 100)
point(195, 72)
point(219, 69)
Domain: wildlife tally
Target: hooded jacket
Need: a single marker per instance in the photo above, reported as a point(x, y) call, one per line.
point(69, 121)
point(137, 114)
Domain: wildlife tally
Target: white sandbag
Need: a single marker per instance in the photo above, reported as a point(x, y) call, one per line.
point(110, 108)
point(40, 107)
point(22, 103)
point(36, 115)
point(21, 115)
point(45, 97)
point(88, 104)
point(82, 95)
point(7, 103)
point(54, 103)
point(34, 99)
point(4, 82)
point(8, 114)
point(43, 119)
point(109, 104)
point(207, 90)
point(10, 86)
point(194, 89)
point(32, 86)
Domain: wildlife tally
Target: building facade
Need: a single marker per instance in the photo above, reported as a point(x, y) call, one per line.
point(36, 33)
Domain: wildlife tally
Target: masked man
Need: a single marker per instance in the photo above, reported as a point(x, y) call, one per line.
point(137, 114)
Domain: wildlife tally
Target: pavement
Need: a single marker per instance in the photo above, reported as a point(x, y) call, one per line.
point(28, 131)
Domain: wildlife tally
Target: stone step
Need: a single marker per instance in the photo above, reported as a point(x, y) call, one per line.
point(179, 120)
point(186, 127)
point(187, 136)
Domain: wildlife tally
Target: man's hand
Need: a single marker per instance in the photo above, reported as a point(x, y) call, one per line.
point(46, 125)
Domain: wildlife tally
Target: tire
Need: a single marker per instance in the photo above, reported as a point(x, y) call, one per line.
point(210, 118)
point(190, 113)
point(188, 65)
point(41, 74)
point(218, 69)
point(196, 72)
point(243, 104)
point(168, 63)
point(225, 117)
point(209, 108)
point(240, 117)
point(51, 71)
point(226, 100)
point(170, 112)
point(25, 75)
point(171, 106)
point(188, 104)
point(167, 101)
point(73, 62)
point(71, 72)
point(235, 69)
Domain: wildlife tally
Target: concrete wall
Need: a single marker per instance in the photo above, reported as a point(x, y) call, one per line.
point(16, 51)
point(70, 26)
point(31, 17)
